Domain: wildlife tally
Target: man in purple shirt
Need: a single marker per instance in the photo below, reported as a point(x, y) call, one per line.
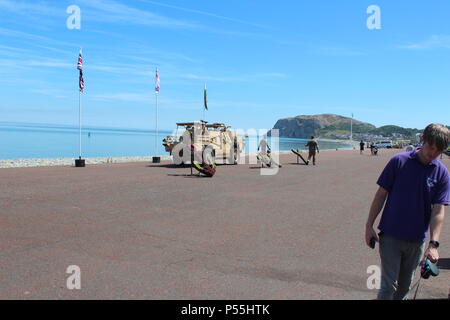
point(414, 187)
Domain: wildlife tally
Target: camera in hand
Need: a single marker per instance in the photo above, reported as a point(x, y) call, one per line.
point(428, 269)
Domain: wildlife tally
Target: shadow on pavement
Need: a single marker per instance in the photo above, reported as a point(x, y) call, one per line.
point(170, 166)
point(188, 175)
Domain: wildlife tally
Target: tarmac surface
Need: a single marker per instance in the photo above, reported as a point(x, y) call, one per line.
point(153, 231)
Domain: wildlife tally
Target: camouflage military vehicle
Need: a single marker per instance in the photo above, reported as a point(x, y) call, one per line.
point(222, 145)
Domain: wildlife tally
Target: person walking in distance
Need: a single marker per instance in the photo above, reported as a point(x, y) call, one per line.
point(263, 146)
point(414, 187)
point(361, 147)
point(312, 147)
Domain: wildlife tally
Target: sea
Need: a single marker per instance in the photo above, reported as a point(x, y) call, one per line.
point(28, 140)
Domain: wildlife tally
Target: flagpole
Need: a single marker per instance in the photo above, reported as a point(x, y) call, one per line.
point(156, 158)
point(80, 162)
point(204, 102)
point(79, 120)
point(156, 136)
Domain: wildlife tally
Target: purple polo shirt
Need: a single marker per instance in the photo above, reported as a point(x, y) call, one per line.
point(413, 188)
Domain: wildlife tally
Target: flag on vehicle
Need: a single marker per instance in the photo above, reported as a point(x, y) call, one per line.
point(157, 84)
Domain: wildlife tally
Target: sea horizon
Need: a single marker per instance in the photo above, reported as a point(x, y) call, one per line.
point(24, 140)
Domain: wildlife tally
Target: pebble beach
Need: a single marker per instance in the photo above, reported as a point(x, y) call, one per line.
point(27, 163)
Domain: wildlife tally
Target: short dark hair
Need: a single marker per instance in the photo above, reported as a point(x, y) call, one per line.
point(437, 135)
point(312, 137)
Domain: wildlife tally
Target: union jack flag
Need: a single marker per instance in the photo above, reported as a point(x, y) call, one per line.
point(157, 84)
point(81, 81)
point(80, 62)
point(80, 67)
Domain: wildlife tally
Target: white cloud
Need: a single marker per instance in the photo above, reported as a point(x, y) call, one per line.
point(271, 75)
point(433, 42)
point(148, 98)
point(338, 51)
point(49, 63)
point(115, 12)
point(14, 49)
point(15, 33)
point(22, 7)
point(50, 92)
point(131, 97)
point(33, 37)
point(39, 62)
point(204, 13)
point(244, 77)
point(57, 50)
point(111, 11)
point(97, 10)
point(18, 63)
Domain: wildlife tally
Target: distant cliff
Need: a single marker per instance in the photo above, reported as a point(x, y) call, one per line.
point(333, 126)
point(322, 125)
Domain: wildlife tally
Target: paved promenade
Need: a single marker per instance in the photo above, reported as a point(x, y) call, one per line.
point(144, 231)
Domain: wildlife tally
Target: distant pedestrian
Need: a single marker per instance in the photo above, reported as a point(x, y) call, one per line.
point(414, 187)
point(375, 150)
point(312, 147)
point(361, 147)
point(372, 146)
point(263, 146)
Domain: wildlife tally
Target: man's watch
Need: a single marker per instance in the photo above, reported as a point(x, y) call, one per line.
point(434, 243)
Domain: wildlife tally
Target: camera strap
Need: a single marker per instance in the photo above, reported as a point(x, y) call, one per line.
point(417, 284)
point(417, 287)
point(420, 278)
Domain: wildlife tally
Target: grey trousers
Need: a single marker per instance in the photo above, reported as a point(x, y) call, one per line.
point(399, 261)
point(313, 156)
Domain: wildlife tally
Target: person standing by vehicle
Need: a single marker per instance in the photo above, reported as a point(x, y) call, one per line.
point(312, 147)
point(263, 147)
point(414, 187)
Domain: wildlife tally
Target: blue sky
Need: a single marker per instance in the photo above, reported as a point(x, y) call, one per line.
point(261, 60)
